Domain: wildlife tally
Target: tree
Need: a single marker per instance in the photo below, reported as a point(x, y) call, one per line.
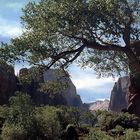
point(103, 34)
point(48, 123)
point(90, 118)
point(19, 122)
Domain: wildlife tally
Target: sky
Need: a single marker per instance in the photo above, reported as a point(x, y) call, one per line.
point(88, 86)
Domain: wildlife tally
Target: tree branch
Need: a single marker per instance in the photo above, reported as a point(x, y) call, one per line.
point(133, 59)
point(77, 54)
point(111, 47)
point(97, 46)
point(63, 54)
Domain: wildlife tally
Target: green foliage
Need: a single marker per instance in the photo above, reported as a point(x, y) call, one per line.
point(109, 120)
point(13, 132)
point(56, 29)
point(53, 87)
point(64, 116)
point(25, 79)
point(117, 131)
point(23, 121)
point(28, 75)
point(50, 87)
point(19, 121)
point(52, 121)
point(115, 126)
point(132, 135)
point(97, 134)
point(4, 110)
point(4, 67)
point(48, 123)
point(74, 116)
point(90, 118)
point(21, 110)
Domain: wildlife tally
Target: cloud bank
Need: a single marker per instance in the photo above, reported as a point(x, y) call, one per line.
point(89, 87)
point(9, 29)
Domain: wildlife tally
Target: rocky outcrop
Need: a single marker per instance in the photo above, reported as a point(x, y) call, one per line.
point(67, 96)
point(69, 93)
point(7, 82)
point(99, 105)
point(30, 81)
point(119, 94)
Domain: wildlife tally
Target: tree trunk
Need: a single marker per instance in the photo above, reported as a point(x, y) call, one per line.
point(134, 88)
point(134, 96)
point(134, 91)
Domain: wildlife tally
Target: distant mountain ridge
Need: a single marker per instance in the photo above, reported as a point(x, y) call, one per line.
point(99, 105)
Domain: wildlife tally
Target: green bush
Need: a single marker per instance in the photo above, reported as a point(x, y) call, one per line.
point(97, 134)
point(19, 122)
point(109, 120)
point(13, 132)
point(115, 126)
point(48, 124)
point(117, 131)
point(132, 135)
point(21, 110)
point(68, 115)
point(89, 118)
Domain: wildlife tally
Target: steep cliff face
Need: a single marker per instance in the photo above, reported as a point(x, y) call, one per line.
point(7, 82)
point(68, 96)
point(69, 93)
point(119, 95)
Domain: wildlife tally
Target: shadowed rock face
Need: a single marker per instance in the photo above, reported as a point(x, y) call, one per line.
point(119, 94)
point(7, 83)
point(67, 97)
point(125, 96)
point(69, 93)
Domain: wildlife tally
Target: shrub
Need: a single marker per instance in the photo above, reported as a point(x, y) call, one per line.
point(19, 123)
point(48, 124)
point(13, 132)
point(109, 120)
point(21, 110)
point(132, 135)
point(96, 134)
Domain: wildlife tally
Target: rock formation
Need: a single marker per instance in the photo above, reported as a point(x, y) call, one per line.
point(119, 94)
point(66, 97)
point(7, 82)
point(99, 105)
point(69, 93)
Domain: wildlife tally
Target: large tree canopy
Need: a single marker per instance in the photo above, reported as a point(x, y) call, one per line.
point(103, 34)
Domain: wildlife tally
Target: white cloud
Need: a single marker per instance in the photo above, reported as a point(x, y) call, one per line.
point(9, 29)
point(88, 86)
point(86, 79)
point(90, 82)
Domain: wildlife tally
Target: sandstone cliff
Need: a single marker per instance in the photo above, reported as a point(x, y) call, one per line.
point(119, 95)
point(66, 97)
point(69, 93)
point(7, 82)
point(99, 105)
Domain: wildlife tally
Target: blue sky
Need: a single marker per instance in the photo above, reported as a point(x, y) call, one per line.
point(88, 86)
